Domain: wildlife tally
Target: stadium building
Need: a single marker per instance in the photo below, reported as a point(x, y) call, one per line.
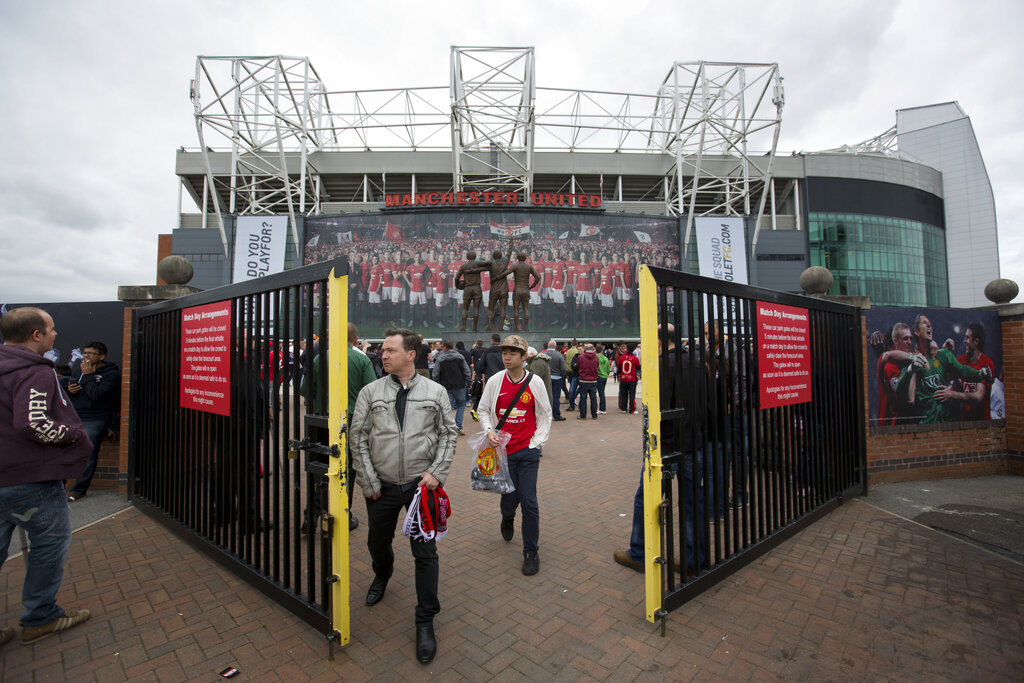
point(588, 183)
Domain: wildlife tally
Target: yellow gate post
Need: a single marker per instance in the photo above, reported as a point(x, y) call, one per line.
point(337, 474)
point(651, 399)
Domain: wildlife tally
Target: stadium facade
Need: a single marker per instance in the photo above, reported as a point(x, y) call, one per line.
point(400, 177)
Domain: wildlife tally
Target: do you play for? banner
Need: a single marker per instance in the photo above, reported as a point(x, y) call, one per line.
point(259, 246)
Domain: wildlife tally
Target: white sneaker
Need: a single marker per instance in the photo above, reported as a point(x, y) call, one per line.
point(602, 412)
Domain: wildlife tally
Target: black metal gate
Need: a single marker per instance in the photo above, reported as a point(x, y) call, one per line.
point(238, 477)
point(738, 455)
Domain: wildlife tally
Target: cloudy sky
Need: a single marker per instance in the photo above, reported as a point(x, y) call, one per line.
point(97, 93)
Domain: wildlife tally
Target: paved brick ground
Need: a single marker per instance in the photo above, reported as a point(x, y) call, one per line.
point(861, 595)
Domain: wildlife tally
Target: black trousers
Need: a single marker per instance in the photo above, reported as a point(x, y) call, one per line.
point(383, 516)
point(627, 396)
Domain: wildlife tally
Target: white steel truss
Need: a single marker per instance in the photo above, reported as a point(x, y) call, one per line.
point(712, 116)
point(885, 144)
point(716, 124)
point(492, 124)
point(272, 111)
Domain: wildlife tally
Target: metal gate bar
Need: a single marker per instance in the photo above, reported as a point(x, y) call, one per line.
point(234, 486)
point(759, 474)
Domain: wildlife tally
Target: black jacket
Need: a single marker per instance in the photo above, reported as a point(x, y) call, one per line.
point(492, 364)
point(100, 396)
point(683, 387)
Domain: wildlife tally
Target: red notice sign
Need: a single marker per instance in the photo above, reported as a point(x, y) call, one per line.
point(206, 358)
point(783, 354)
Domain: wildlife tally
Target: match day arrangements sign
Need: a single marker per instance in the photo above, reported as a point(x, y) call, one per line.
point(783, 354)
point(206, 359)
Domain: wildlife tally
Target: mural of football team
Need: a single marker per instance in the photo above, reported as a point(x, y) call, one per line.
point(405, 268)
point(934, 365)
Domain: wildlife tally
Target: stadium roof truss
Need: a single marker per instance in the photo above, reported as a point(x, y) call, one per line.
point(716, 124)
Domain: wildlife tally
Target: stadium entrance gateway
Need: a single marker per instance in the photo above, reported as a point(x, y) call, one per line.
point(237, 436)
point(752, 425)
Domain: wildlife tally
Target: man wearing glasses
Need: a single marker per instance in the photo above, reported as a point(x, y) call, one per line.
point(96, 394)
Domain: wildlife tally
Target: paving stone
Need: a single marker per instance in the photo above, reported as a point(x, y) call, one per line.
point(859, 595)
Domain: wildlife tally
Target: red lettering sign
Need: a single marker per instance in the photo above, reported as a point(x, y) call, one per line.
point(477, 198)
point(783, 354)
point(205, 382)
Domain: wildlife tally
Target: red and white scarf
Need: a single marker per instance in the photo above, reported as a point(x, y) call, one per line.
point(419, 524)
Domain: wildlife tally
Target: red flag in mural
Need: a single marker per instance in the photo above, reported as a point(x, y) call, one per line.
point(392, 233)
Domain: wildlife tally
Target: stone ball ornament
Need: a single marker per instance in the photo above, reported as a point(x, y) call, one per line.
point(816, 280)
point(1001, 291)
point(175, 270)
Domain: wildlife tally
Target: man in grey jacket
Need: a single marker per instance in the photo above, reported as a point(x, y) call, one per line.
point(557, 377)
point(403, 437)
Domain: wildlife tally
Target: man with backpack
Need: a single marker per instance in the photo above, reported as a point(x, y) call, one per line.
point(452, 372)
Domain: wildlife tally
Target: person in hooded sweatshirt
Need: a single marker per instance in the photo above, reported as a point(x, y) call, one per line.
point(42, 442)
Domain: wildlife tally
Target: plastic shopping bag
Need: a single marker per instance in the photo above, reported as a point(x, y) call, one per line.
point(491, 471)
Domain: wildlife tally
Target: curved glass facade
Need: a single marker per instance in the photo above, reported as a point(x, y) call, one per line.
point(895, 261)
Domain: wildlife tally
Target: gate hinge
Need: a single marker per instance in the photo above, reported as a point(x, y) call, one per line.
point(332, 638)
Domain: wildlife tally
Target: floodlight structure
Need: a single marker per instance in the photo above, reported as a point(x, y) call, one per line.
point(715, 124)
point(272, 111)
point(711, 116)
point(492, 118)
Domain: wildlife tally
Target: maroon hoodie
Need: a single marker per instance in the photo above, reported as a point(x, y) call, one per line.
point(41, 437)
point(587, 363)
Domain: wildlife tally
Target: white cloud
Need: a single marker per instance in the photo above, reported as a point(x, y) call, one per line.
point(96, 93)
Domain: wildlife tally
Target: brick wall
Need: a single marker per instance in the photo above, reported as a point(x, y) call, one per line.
point(1013, 380)
point(126, 373)
point(947, 451)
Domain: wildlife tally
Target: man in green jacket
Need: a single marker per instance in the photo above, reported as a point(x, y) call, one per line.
point(603, 369)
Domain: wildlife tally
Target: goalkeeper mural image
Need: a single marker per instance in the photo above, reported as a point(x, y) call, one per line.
point(919, 381)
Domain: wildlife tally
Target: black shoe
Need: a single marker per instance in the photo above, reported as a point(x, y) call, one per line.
point(531, 563)
point(376, 592)
point(558, 419)
point(353, 523)
point(508, 528)
point(581, 417)
point(570, 409)
point(426, 644)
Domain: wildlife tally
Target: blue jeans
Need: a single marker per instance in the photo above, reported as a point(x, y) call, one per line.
point(684, 478)
point(96, 429)
point(588, 389)
point(41, 509)
point(457, 397)
point(601, 382)
point(522, 467)
point(556, 397)
point(574, 387)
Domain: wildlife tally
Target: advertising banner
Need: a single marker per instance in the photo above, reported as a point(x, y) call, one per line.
point(783, 354)
point(404, 267)
point(933, 365)
point(259, 246)
point(722, 248)
point(206, 358)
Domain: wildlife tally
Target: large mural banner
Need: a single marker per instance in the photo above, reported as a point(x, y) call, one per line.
point(934, 365)
point(404, 267)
